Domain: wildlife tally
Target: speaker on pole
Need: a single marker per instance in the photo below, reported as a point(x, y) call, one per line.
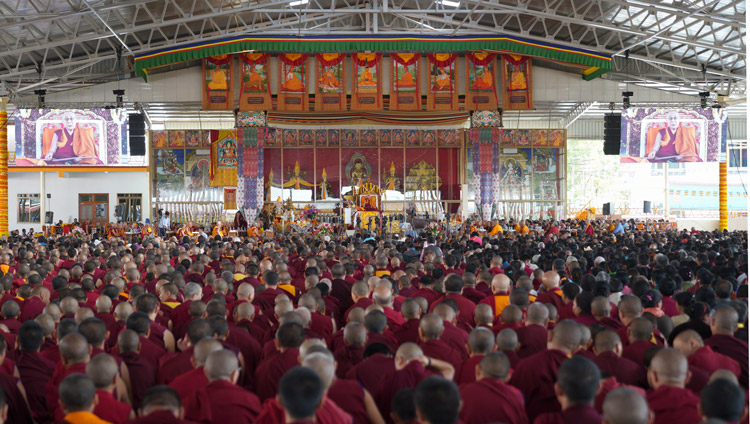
point(49, 217)
point(137, 134)
point(606, 209)
point(612, 124)
point(646, 206)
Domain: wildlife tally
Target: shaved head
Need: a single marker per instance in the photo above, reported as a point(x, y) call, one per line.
point(408, 351)
point(128, 341)
point(640, 329)
point(724, 320)
point(102, 369)
point(630, 307)
point(481, 341)
point(625, 406)
point(600, 307)
point(566, 336)
point(204, 348)
point(221, 365)
point(410, 309)
point(431, 327)
point(483, 314)
point(507, 340)
point(500, 283)
point(445, 312)
point(668, 367)
point(606, 341)
point(537, 314)
point(550, 280)
point(323, 365)
point(687, 342)
point(495, 365)
point(511, 313)
point(74, 348)
point(355, 334)
point(356, 315)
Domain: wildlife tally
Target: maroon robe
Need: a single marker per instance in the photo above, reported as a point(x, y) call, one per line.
point(188, 383)
point(180, 318)
point(35, 374)
point(607, 386)
point(408, 332)
point(673, 405)
point(535, 377)
point(385, 339)
point(361, 303)
point(222, 402)
point(322, 325)
point(468, 370)
point(31, 308)
point(50, 389)
point(269, 372)
point(575, 414)
point(250, 349)
point(408, 377)
point(473, 294)
point(370, 371)
point(465, 307)
point(341, 290)
point(174, 364)
point(455, 338)
point(512, 357)
point(532, 338)
point(267, 297)
point(349, 395)
point(711, 361)
point(327, 413)
point(635, 351)
point(142, 376)
point(489, 400)
point(426, 292)
point(623, 369)
point(553, 297)
point(734, 348)
point(18, 412)
point(111, 409)
point(610, 323)
point(347, 357)
point(441, 350)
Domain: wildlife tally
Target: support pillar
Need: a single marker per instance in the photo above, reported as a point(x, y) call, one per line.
point(723, 196)
point(42, 198)
point(3, 166)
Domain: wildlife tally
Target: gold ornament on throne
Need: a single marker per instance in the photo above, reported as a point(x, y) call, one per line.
point(368, 196)
point(423, 177)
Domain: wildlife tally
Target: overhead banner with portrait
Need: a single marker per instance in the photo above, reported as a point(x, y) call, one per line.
point(367, 87)
point(672, 135)
point(443, 80)
point(218, 92)
point(292, 90)
point(481, 90)
point(255, 92)
point(71, 137)
point(516, 81)
point(330, 81)
point(406, 81)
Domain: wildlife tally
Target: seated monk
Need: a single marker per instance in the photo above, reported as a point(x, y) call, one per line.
point(675, 143)
point(69, 144)
point(255, 82)
point(218, 80)
point(406, 80)
point(443, 81)
point(255, 231)
point(328, 79)
point(292, 83)
point(219, 230)
point(483, 82)
point(147, 230)
point(517, 80)
point(366, 77)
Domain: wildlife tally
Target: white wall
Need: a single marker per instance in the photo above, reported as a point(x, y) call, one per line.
point(65, 190)
point(733, 224)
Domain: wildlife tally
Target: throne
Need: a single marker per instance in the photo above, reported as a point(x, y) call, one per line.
point(368, 196)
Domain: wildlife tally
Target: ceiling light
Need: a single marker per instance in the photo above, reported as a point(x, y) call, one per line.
point(449, 3)
point(298, 3)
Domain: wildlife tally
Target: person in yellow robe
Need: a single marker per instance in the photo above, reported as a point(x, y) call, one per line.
point(521, 227)
point(406, 80)
point(366, 77)
point(219, 230)
point(496, 229)
point(255, 81)
point(675, 143)
point(71, 144)
point(517, 79)
point(329, 80)
point(292, 83)
point(218, 79)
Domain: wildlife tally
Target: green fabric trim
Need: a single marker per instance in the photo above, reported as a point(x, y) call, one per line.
point(283, 44)
point(595, 74)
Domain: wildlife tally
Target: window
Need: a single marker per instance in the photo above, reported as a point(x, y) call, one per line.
point(93, 208)
point(128, 207)
point(29, 208)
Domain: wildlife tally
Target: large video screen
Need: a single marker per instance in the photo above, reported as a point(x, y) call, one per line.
point(71, 137)
point(672, 135)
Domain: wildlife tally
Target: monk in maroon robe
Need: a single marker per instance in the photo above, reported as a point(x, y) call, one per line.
point(142, 375)
point(490, 388)
point(370, 371)
point(481, 342)
point(552, 293)
point(74, 354)
point(289, 338)
point(576, 387)
point(641, 335)
point(222, 401)
point(691, 345)
point(669, 400)
point(533, 335)
point(352, 353)
point(160, 405)
point(188, 383)
point(608, 350)
point(409, 330)
point(723, 341)
point(35, 371)
point(430, 331)
point(103, 369)
point(535, 375)
point(173, 364)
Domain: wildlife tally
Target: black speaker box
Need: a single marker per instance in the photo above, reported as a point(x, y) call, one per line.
point(606, 209)
point(646, 206)
point(137, 134)
point(612, 124)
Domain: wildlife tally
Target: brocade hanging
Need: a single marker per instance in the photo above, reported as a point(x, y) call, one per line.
point(218, 93)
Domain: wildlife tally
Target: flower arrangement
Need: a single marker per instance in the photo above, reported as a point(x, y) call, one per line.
point(433, 228)
point(310, 212)
point(77, 232)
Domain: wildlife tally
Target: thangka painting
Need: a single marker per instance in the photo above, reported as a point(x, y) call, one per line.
point(271, 137)
point(227, 151)
point(385, 137)
point(205, 139)
point(450, 138)
point(506, 138)
point(412, 138)
point(330, 81)
point(539, 138)
point(556, 138)
point(443, 80)
point(321, 138)
point(516, 82)
point(192, 138)
point(292, 92)
point(176, 139)
point(255, 92)
point(515, 175)
point(398, 138)
point(546, 179)
point(366, 93)
point(305, 138)
point(170, 174)
point(481, 90)
point(230, 198)
point(159, 139)
point(350, 138)
point(428, 138)
point(217, 83)
point(289, 138)
point(406, 79)
point(333, 138)
point(369, 138)
point(197, 174)
point(522, 137)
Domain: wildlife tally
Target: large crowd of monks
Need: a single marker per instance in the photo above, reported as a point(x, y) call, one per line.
point(511, 325)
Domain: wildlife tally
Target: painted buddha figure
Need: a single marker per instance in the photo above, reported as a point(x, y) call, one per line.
point(292, 83)
point(406, 80)
point(255, 81)
point(329, 80)
point(483, 81)
point(218, 79)
point(366, 77)
point(517, 79)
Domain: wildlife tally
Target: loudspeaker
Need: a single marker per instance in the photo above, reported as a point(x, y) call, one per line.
point(612, 124)
point(49, 195)
point(605, 209)
point(646, 206)
point(49, 218)
point(137, 134)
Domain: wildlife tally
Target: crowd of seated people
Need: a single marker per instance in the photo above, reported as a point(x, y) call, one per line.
point(544, 325)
